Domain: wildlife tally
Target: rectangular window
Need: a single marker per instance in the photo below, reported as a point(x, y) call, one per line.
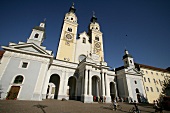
point(157, 89)
point(160, 82)
point(147, 89)
point(24, 64)
point(144, 79)
point(154, 81)
point(146, 72)
point(149, 80)
point(151, 89)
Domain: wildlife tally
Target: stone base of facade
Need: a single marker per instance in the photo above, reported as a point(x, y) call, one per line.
point(60, 97)
point(36, 96)
point(44, 96)
point(108, 99)
point(87, 98)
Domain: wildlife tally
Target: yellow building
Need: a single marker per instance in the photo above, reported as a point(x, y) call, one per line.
point(153, 80)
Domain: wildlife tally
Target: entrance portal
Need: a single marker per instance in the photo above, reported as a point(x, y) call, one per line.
point(13, 93)
point(95, 88)
point(138, 97)
point(112, 91)
point(55, 82)
point(72, 88)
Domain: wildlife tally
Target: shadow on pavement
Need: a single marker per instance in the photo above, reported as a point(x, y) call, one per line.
point(41, 107)
point(108, 107)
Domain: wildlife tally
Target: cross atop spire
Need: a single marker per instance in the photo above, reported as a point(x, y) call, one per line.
point(72, 9)
point(93, 13)
point(44, 20)
point(73, 5)
point(93, 19)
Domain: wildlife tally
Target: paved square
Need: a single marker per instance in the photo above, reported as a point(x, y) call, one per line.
point(71, 106)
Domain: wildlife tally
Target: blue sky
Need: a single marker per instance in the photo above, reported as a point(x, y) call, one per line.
point(140, 26)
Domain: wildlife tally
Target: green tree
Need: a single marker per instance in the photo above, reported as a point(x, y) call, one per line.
point(166, 88)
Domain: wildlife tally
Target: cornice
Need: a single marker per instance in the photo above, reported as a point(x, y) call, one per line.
point(26, 52)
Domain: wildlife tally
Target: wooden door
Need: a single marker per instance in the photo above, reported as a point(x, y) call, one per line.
point(13, 93)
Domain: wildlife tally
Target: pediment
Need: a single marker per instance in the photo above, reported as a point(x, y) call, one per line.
point(83, 34)
point(30, 47)
point(133, 71)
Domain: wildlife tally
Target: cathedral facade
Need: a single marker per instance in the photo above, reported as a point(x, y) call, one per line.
point(30, 72)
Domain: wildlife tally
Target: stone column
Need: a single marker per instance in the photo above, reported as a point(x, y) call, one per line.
point(82, 85)
point(85, 81)
point(115, 89)
point(97, 88)
point(65, 87)
point(103, 84)
point(61, 85)
point(90, 83)
point(107, 86)
point(45, 86)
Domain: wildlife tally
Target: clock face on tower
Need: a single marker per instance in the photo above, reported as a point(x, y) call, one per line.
point(97, 45)
point(68, 37)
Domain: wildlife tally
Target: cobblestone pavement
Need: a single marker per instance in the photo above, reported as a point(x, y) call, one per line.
point(57, 106)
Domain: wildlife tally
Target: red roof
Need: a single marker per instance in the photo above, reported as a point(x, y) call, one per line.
point(153, 68)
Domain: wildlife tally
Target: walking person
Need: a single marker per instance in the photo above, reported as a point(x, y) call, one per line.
point(115, 104)
point(155, 104)
point(136, 107)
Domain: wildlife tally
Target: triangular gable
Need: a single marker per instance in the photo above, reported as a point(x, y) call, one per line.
point(84, 33)
point(133, 71)
point(30, 47)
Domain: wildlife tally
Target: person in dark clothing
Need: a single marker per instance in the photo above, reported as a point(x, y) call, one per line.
point(136, 107)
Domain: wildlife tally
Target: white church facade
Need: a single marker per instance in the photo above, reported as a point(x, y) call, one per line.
point(130, 80)
point(30, 72)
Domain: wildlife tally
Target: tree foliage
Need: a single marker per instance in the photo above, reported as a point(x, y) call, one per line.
point(166, 88)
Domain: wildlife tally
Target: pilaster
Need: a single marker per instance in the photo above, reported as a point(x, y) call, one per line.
point(85, 81)
point(103, 84)
point(90, 83)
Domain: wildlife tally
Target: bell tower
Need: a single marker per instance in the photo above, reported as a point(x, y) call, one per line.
point(96, 39)
point(38, 34)
point(128, 60)
point(67, 43)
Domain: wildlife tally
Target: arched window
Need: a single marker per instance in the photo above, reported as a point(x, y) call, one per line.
point(97, 38)
point(135, 82)
point(130, 61)
point(18, 79)
point(84, 40)
point(81, 57)
point(69, 29)
point(137, 90)
point(36, 35)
